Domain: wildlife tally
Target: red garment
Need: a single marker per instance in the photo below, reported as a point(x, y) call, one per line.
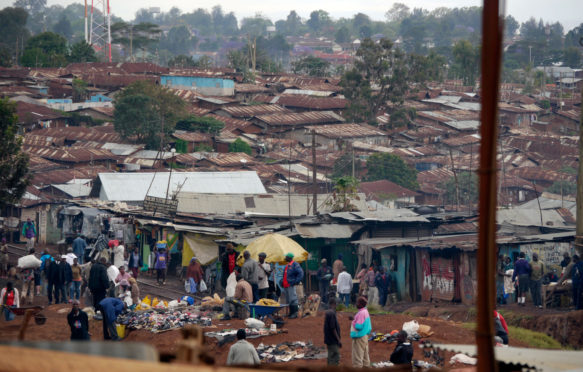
point(9, 298)
point(231, 262)
point(285, 282)
point(502, 321)
point(194, 271)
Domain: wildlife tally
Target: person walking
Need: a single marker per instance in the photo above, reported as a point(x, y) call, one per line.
point(332, 334)
point(54, 279)
point(359, 331)
point(98, 282)
point(135, 262)
point(403, 353)
point(242, 352)
point(65, 279)
point(373, 291)
point(194, 272)
point(362, 288)
point(9, 298)
point(522, 271)
point(160, 262)
point(78, 322)
point(79, 246)
point(324, 276)
point(537, 271)
point(383, 282)
point(292, 276)
point(500, 327)
point(264, 271)
point(77, 279)
point(577, 280)
point(250, 272)
point(228, 263)
point(27, 277)
point(344, 286)
point(337, 266)
point(29, 233)
point(4, 259)
point(111, 308)
point(118, 253)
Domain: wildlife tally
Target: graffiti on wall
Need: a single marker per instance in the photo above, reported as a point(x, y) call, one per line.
point(550, 253)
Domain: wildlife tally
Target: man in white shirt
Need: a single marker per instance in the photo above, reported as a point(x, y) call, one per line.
point(264, 271)
point(112, 273)
point(70, 256)
point(118, 255)
point(344, 286)
point(242, 352)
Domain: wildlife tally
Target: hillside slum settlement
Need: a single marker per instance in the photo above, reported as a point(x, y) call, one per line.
point(88, 179)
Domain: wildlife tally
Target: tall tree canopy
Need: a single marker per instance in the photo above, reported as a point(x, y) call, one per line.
point(45, 50)
point(147, 112)
point(14, 176)
point(384, 166)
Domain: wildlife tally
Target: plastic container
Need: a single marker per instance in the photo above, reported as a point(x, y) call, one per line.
point(121, 330)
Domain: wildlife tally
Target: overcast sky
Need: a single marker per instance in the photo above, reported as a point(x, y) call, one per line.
point(568, 12)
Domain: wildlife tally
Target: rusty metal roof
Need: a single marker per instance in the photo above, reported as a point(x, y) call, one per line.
point(232, 124)
point(301, 118)
point(231, 159)
point(253, 110)
point(70, 154)
point(351, 130)
point(304, 101)
point(192, 136)
point(85, 134)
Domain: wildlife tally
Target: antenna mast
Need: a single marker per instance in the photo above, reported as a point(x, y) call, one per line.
point(100, 31)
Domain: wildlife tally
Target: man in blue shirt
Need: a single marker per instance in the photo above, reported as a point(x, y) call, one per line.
point(79, 246)
point(522, 271)
point(111, 307)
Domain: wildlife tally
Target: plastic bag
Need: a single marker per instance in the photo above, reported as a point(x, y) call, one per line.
point(254, 323)
point(192, 286)
point(155, 302)
point(29, 262)
point(186, 286)
point(411, 327)
point(202, 287)
point(147, 301)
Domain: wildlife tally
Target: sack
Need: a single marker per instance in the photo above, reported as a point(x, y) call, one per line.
point(202, 286)
point(29, 262)
point(254, 323)
point(411, 327)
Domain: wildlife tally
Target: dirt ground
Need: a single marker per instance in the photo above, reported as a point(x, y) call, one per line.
point(307, 329)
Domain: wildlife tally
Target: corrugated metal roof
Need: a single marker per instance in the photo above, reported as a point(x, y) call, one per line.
point(332, 231)
point(351, 130)
point(253, 110)
point(301, 118)
point(542, 360)
point(305, 101)
point(134, 186)
point(74, 190)
point(386, 214)
point(263, 205)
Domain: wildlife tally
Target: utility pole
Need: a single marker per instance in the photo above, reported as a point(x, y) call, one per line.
point(579, 228)
point(314, 180)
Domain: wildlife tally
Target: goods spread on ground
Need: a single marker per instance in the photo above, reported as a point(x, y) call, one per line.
point(161, 320)
point(287, 351)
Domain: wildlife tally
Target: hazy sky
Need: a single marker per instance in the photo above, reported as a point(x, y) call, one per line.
point(568, 12)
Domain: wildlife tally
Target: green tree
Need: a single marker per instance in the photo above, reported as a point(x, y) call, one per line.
point(63, 27)
point(147, 112)
point(467, 183)
point(397, 13)
point(562, 187)
point(466, 59)
point(182, 61)
point(511, 25)
point(82, 52)
point(342, 35)
point(5, 56)
point(402, 117)
point(178, 40)
point(14, 175)
point(319, 20)
point(203, 124)
point(79, 90)
point(345, 190)
point(384, 166)
point(45, 50)
point(312, 66)
point(13, 28)
point(379, 65)
point(240, 146)
point(572, 57)
point(343, 165)
point(139, 36)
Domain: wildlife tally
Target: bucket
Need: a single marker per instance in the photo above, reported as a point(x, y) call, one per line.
point(121, 330)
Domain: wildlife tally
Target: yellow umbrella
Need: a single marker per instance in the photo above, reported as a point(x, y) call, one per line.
point(276, 246)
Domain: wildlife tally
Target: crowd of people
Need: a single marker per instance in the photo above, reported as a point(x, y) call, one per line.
point(524, 276)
